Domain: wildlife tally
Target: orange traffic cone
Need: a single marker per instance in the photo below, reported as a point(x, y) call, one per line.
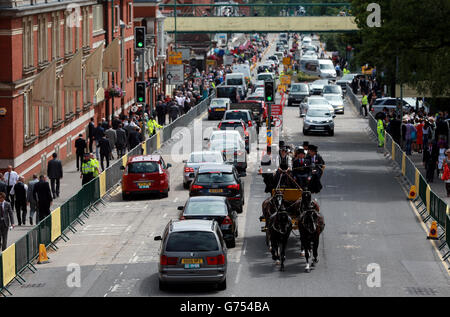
point(42, 254)
point(433, 231)
point(412, 193)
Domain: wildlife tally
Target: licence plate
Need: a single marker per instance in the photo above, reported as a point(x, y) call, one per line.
point(216, 190)
point(144, 185)
point(191, 261)
point(192, 266)
point(319, 128)
point(219, 109)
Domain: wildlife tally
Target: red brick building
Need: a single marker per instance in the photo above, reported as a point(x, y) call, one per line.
point(35, 33)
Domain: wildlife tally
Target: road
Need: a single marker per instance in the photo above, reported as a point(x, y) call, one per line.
point(369, 224)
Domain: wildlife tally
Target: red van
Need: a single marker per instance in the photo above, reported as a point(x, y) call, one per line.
point(145, 174)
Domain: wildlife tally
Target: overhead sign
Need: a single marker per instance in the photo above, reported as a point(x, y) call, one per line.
point(277, 110)
point(175, 58)
point(285, 79)
point(175, 74)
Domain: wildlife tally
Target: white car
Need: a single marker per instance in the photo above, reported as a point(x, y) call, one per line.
point(336, 101)
point(318, 119)
point(225, 135)
point(316, 102)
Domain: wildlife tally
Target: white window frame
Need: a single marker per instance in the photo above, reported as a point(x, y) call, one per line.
point(130, 13)
point(97, 14)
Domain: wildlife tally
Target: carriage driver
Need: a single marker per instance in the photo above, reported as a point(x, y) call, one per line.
point(301, 168)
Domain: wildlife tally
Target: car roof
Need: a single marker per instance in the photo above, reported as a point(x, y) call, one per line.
point(237, 110)
point(204, 152)
point(191, 225)
point(208, 198)
point(334, 95)
point(215, 168)
point(315, 97)
point(144, 158)
point(332, 85)
point(225, 99)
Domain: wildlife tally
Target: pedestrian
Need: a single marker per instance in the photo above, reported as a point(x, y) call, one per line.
point(430, 158)
point(115, 122)
point(161, 112)
point(121, 141)
point(91, 134)
point(446, 172)
point(11, 178)
point(441, 129)
point(95, 164)
point(134, 138)
point(426, 133)
point(152, 126)
point(87, 170)
point(173, 111)
point(410, 134)
point(98, 135)
point(317, 164)
point(364, 102)
point(6, 220)
point(43, 196)
point(442, 146)
point(420, 135)
point(105, 151)
point(20, 193)
point(111, 136)
point(31, 199)
point(55, 173)
point(3, 187)
point(80, 146)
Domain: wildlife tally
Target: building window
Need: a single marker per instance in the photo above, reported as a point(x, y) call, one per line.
point(86, 89)
point(44, 115)
point(68, 36)
point(97, 13)
point(130, 13)
point(86, 28)
point(68, 103)
point(69, 146)
point(57, 108)
point(42, 39)
point(55, 35)
point(116, 18)
point(28, 116)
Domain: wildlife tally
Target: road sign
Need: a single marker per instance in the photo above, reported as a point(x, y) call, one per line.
point(286, 61)
point(175, 58)
point(285, 79)
point(277, 110)
point(175, 74)
point(185, 53)
point(277, 120)
point(211, 62)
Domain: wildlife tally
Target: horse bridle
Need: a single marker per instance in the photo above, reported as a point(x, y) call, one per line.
point(288, 224)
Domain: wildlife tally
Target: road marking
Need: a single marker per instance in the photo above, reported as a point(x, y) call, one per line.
point(165, 215)
point(238, 275)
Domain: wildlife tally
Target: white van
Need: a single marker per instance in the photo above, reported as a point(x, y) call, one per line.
point(236, 79)
point(242, 68)
point(326, 69)
point(310, 66)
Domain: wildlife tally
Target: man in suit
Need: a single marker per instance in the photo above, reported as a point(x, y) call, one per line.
point(91, 132)
point(111, 136)
point(430, 159)
point(98, 134)
point(31, 199)
point(105, 151)
point(20, 193)
point(121, 141)
point(43, 196)
point(134, 138)
point(6, 220)
point(80, 145)
point(3, 187)
point(55, 173)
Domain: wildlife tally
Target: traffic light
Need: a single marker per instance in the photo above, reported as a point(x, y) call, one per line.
point(269, 91)
point(140, 92)
point(139, 37)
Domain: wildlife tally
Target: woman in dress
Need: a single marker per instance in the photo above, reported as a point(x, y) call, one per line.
point(419, 142)
point(442, 145)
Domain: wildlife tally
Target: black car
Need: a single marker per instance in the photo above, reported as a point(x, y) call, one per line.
point(263, 68)
point(297, 93)
point(219, 180)
point(213, 208)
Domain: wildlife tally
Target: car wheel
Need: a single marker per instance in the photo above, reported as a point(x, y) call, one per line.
point(162, 286)
point(231, 243)
point(240, 209)
point(186, 185)
point(165, 194)
point(222, 286)
point(332, 132)
point(289, 104)
point(305, 132)
point(125, 197)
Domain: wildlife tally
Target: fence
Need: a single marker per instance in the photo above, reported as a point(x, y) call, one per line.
point(431, 205)
point(19, 256)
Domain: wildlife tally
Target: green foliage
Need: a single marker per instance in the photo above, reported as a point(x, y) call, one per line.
point(415, 31)
point(305, 77)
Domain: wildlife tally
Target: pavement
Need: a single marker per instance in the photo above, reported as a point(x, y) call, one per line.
point(373, 243)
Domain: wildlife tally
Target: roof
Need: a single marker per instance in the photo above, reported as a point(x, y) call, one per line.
point(207, 198)
point(215, 168)
point(191, 225)
point(144, 158)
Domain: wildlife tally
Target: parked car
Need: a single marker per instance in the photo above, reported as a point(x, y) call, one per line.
point(144, 174)
point(297, 93)
point(346, 79)
point(217, 108)
point(332, 89)
point(213, 208)
point(336, 101)
point(315, 101)
point(316, 87)
point(197, 159)
point(219, 180)
point(275, 59)
point(318, 120)
point(391, 103)
point(247, 117)
point(192, 251)
point(234, 150)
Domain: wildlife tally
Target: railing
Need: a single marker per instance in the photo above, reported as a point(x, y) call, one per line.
point(431, 206)
point(20, 255)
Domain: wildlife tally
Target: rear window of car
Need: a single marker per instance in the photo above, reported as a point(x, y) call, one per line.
point(205, 208)
point(192, 241)
point(205, 157)
point(231, 126)
point(296, 88)
point(143, 167)
point(331, 89)
point(236, 115)
point(215, 178)
point(264, 77)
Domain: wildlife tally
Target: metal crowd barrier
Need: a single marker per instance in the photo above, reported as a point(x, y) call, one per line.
point(430, 205)
point(20, 255)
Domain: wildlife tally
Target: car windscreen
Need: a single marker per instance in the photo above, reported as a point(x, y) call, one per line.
point(236, 116)
point(143, 167)
point(205, 157)
point(215, 177)
point(318, 113)
point(218, 103)
point(348, 77)
point(331, 90)
point(206, 208)
point(226, 92)
point(192, 241)
point(317, 101)
point(234, 81)
point(264, 77)
point(326, 67)
point(299, 88)
point(332, 98)
point(232, 126)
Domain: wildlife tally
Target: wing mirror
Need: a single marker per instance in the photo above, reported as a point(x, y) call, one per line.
point(205, 139)
point(334, 116)
point(184, 161)
point(157, 238)
point(302, 115)
point(169, 165)
point(180, 207)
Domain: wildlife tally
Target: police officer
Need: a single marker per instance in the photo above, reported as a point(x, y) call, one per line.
point(95, 165)
point(87, 170)
point(152, 125)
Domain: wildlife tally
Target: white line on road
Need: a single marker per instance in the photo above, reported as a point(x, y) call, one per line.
point(165, 215)
point(238, 275)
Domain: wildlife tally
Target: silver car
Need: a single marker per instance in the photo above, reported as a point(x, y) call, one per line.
point(346, 79)
point(318, 120)
point(192, 251)
point(197, 159)
point(336, 101)
point(314, 101)
point(234, 152)
point(332, 89)
point(316, 86)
